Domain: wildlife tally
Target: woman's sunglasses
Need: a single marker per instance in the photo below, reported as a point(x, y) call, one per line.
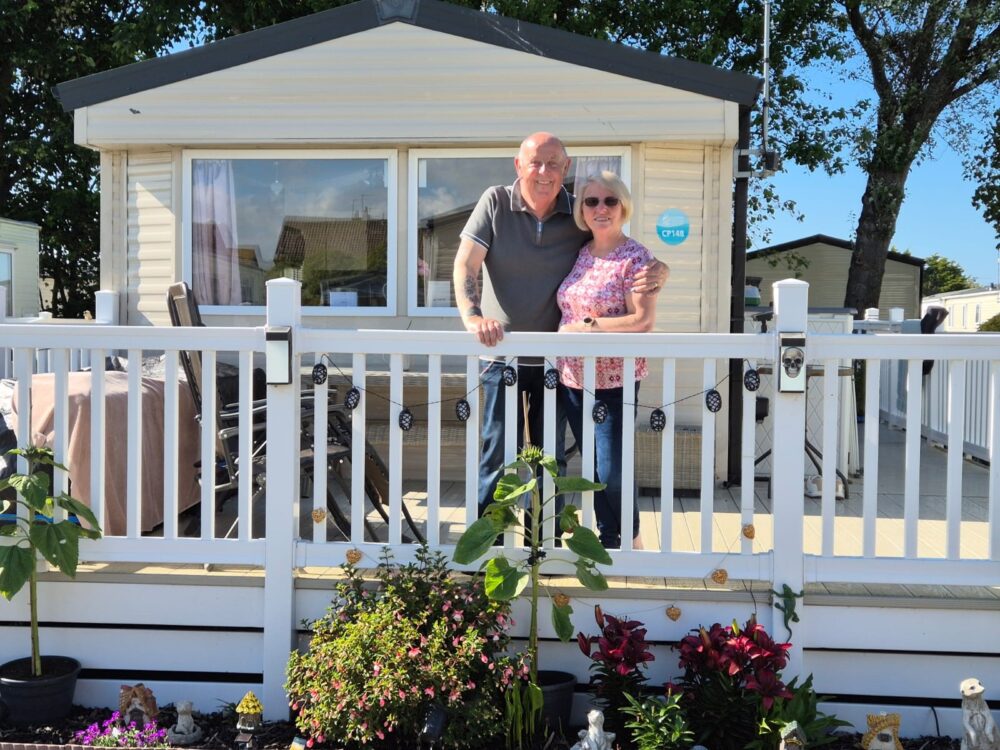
point(610, 202)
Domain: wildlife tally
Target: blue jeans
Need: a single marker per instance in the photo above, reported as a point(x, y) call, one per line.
point(530, 381)
point(608, 450)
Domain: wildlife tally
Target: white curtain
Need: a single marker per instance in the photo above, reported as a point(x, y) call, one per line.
point(591, 165)
point(216, 263)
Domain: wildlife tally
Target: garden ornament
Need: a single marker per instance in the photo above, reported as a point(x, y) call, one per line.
point(594, 737)
point(787, 606)
point(137, 704)
point(185, 731)
point(979, 730)
point(792, 736)
point(792, 361)
point(883, 732)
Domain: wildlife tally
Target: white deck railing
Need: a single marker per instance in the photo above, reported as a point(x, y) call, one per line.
point(671, 355)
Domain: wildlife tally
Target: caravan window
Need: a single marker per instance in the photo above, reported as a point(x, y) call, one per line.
point(325, 219)
point(7, 279)
point(444, 186)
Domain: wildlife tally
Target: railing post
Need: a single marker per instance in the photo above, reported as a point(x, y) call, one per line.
point(791, 301)
point(284, 298)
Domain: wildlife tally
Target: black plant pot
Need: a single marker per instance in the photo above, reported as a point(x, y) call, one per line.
point(557, 698)
point(25, 699)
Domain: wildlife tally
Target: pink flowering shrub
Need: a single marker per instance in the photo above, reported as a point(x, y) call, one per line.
point(732, 678)
point(379, 659)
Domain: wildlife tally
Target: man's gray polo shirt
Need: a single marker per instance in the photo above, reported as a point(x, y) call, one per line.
point(526, 259)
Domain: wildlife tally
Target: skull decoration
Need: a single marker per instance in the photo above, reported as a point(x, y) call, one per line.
point(792, 360)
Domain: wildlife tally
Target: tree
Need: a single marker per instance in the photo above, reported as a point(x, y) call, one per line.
point(44, 177)
point(983, 167)
point(923, 57)
point(944, 275)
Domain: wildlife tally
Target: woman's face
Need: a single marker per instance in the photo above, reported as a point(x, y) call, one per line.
point(602, 219)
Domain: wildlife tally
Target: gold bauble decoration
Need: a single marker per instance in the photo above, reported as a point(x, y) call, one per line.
point(674, 613)
point(319, 515)
point(720, 575)
point(560, 600)
point(749, 531)
point(353, 556)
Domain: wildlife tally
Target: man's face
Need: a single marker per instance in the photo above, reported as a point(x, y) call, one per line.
point(541, 167)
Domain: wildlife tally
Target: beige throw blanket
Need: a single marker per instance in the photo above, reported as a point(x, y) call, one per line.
point(117, 441)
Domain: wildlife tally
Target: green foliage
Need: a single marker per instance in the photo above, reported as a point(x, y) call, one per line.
point(944, 275)
point(991, 325)
point(36, 533)
point(983, 167)
point(505, 580)
point(803, 709)
point(378, 660)
point(658, 724)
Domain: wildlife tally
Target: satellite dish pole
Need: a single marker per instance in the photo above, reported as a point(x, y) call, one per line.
point(770, 158)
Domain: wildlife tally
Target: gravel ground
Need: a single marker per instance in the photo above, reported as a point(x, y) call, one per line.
point(220, 732)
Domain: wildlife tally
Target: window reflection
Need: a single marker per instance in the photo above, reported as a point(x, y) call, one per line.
point(323, 222)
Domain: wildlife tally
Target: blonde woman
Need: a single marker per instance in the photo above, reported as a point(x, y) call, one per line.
point(597, 297)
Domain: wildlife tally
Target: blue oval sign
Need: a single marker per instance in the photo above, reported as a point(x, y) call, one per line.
point(673, 226)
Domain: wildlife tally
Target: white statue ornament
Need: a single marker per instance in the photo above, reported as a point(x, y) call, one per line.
point(979, 730)
point(594, 737)
point(185, 731)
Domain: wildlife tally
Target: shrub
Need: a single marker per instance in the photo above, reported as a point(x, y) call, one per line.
point(731, 681)
point(991, 325)
point(803, 709)
point(657, 724)
point(616, 663)
point(379, 660)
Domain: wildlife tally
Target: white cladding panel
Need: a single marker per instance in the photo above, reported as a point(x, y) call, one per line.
point(150, 236)
point(403, 83)
point(20, 241)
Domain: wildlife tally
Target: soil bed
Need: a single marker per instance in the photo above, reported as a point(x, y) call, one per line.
point(220, 732)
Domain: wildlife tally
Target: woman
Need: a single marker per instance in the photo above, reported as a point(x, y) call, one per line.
point(597, 297)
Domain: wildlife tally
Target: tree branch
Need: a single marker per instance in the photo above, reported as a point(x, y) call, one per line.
point(870, 45)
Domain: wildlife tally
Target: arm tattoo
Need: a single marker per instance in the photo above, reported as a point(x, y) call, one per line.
point(471, 290)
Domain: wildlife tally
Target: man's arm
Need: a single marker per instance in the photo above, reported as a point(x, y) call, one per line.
point(468, 263)
point(651, 279)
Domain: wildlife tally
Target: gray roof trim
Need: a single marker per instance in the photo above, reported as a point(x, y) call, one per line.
point(434, 15)
point(825, 239)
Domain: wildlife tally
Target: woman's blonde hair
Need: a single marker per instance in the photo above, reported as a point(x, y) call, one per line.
point(613, 184)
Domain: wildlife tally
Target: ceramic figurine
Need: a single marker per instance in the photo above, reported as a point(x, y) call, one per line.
point(792, 736)
point(137, 704)
point(979, 730)
point(594, 737)
point(185, 731)
point(883, 732)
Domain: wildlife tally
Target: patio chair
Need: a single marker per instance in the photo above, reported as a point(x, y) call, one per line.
point(183, 310)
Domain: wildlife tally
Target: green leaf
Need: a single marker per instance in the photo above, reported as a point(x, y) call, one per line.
point(561, 622)
point(590, 576)
point(503, 580)
point(568, 519)
point(511, 486)
point(475, 541)
point(34, 488)
point(534, 697)
point(15, 569)
point(501, 515)
point(59, 543)
point(549, 464)
point(585, 543)
point(565, 485)
point(81, 511)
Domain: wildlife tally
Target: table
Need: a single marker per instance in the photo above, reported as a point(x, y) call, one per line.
point(78, 444)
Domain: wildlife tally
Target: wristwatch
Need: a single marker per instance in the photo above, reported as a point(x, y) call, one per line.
point(590, 322)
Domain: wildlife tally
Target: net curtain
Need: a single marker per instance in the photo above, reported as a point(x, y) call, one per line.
point(216, 265)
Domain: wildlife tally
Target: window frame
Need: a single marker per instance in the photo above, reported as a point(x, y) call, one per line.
point(412, 250)
point(274, 154)
point(9, 251)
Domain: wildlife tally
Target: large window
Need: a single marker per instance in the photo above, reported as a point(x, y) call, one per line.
point(7, 280)
point(323, 219)
point(443, 189)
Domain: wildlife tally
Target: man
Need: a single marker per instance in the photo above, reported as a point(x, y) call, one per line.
point(524, 239)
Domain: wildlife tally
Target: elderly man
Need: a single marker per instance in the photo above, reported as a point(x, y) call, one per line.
point(524, 239)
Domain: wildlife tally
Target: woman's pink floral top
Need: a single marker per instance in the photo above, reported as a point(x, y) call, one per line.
point(596, 287)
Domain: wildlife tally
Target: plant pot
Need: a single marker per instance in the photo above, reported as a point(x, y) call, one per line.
point(26, 700)
point(557, 698)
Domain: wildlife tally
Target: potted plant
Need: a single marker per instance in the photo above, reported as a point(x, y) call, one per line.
point(505, 579)
point(40, 687)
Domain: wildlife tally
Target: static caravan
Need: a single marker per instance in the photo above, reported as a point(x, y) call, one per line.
point(824, 262)
point(19, 268)
point(967, 308)
point(346, 149)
